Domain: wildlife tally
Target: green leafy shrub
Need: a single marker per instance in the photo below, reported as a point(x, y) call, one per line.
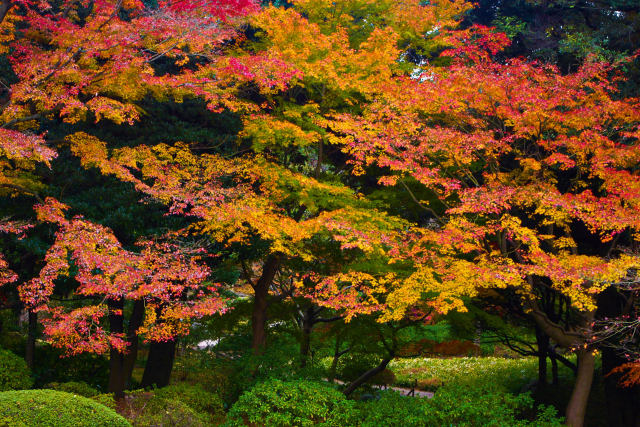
point(105, 399)
point(75, 387)
point(276, 403)
point(352, 365)
point(145, 409)
point(52, 367)
point(50, 408)
point(14, 374)
point(200, 400)
point(457, 406)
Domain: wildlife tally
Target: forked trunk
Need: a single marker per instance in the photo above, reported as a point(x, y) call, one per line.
point(157, 372)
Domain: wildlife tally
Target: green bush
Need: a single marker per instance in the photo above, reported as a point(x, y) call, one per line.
point(277, 403)
point(144, 409)
point(51, 367)
point(202, 401)
point(74, 387)
point(44, 408)
point(105, 399)
point(14, 374)
point(458, 406)
point(352, 365)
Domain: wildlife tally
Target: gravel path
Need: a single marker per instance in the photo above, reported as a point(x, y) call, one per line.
point(402, 390)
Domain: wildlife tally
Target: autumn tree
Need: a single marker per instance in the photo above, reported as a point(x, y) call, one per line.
point(528, 175)
point(78, 63)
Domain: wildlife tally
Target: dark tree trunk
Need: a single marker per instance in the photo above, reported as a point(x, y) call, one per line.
point(116, 358)
point(30, 350)
point(157, 372)
point(367, 376)
point(307, 327)
point(577, 407)
point(260, 304)
point(542, 340)
point(132, 337)
point(554, 371)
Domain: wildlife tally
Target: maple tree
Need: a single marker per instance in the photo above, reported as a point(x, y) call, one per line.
point(530, 177)
point(525, 177)
point(167, 282)
point(79, 62)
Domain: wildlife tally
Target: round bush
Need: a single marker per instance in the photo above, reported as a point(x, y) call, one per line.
point(49, 408)
point(205, 403)
point(74, 387)
point(14, 374)
point(145, 410)
point(276, 403)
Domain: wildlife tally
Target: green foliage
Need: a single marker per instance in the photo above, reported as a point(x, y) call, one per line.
point(352, 365)
point(200, 400)
point(52, 367)
point(509, 375)
point(295, 403)
point(14, 374)
point(105, 399)
point(75, 387)
point(459, 406)
point(44, 408)
point(145, 409)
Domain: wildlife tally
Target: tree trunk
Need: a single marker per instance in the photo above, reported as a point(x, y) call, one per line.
point(116, 372)
point(157, 372)
point(542, 340)
point(577, 407)
point(367, 376)
point(260, 303)
point(132, 337)
point(305, 344)
point(30, 350)
point(554, 371)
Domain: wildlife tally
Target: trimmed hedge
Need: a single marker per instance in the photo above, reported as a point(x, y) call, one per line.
point(14, 374)
point(276, 403)
point(74, 387)
point(205, 403)
point(50, 408)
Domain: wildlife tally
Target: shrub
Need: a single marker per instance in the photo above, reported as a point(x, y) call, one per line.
point(105, 399)
point(75, 387)
point(276, 403)
point(457, 406)
point(14, 374)
point(52, 367)
point(145, 409)
point(203, 402)
point(44, 408)
point(352, 365)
